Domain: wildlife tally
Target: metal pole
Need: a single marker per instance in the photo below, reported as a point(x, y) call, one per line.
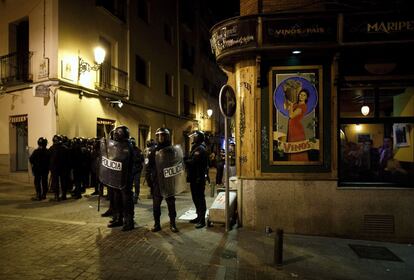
point(226, 205)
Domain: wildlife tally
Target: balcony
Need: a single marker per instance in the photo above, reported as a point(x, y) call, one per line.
point(15, 68)
point(112, 80)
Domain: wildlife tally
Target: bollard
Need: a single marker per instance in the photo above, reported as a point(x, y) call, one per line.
point(278, 253)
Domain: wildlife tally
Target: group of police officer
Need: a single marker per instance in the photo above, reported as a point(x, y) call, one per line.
point(72, 163)
point(117, 162)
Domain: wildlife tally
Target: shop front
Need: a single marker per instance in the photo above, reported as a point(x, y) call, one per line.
point(325, 121)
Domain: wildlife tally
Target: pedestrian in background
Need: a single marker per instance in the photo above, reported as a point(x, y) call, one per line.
point(40, 168)
point(221, 159)
point(197, 168)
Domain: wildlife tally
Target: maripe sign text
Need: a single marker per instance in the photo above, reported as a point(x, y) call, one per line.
point(360, 28)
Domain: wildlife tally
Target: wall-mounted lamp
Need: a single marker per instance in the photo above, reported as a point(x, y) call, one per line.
point(365, 110)
point(208, 115)
point(83, 66)
point(116, 103)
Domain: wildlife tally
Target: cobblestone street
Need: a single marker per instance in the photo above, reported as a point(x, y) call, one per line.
point(70, 240)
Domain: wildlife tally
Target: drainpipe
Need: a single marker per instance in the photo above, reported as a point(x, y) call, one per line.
point(178, 58)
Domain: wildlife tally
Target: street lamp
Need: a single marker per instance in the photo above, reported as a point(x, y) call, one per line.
point(365, 110)
point(209, 112)
point(116, 102)
point(83, 66)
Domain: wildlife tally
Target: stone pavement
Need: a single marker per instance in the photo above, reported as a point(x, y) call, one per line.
point(69, 240)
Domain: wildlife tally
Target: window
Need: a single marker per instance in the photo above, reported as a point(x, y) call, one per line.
point(187, 57)
point(187, 13)
point(169, 84)
point(143, 10)
point(115, 7)
point(376, 148)
point(105, 79)
point(188, 102)
point(142, 71)
point(168, 34)
point(15, 67)
point(143, 135)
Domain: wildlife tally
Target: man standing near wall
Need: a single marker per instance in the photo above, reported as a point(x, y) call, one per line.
point(197, 168)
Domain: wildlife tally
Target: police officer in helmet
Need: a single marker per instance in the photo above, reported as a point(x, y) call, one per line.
point(40, 167)
point(197, 169)
point(163, 140)
point(123, 205)
point(59, 167)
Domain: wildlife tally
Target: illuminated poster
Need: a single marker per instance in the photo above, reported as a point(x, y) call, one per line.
point(295, 115)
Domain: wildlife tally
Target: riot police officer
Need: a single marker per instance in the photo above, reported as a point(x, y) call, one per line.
point(40, 167)
point(163, 140)
point(123, 205)
point(59, 167)
point(197, 168)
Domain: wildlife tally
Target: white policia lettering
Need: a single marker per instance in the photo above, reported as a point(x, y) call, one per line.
point(111, 164)
point(173, 170)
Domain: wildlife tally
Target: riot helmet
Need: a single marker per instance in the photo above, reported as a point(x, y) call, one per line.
point(163, 135)
point(133, 141)
point(42, 142)
point(57, 139)
point(198, 137)
point(150, 143)
point(121, 133)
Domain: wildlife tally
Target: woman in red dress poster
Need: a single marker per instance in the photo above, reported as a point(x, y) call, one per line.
point(296, 132)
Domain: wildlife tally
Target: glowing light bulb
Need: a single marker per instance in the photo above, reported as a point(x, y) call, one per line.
point(365, 110)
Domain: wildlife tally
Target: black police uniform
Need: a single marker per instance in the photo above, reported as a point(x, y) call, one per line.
point(40, 168)
point(152, 180)
point(123, 205)
point(197, 168)
point(59, 167)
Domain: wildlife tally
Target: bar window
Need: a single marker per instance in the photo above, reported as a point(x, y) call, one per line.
point(376, 143)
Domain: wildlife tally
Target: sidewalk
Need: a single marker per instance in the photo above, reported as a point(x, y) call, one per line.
point(69, 240)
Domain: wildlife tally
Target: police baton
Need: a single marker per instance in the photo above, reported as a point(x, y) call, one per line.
point(99, 198)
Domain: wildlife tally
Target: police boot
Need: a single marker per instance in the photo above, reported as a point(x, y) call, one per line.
point(201, 223)
point(173, 227)
point(56, 197)
point(194, 221)
point(129, 224)
point(108, 213)
point(157, 225)
point(115, 222)
point(37, 197)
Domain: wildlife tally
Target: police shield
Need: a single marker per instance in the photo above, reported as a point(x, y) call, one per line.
point(170, 170)
point(114, 163)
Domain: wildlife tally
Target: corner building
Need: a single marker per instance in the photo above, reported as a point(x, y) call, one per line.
point(310, 158)
point(158, 71)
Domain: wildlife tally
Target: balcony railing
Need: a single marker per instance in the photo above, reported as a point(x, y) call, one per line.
point(112, 80)
point(15, 68)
